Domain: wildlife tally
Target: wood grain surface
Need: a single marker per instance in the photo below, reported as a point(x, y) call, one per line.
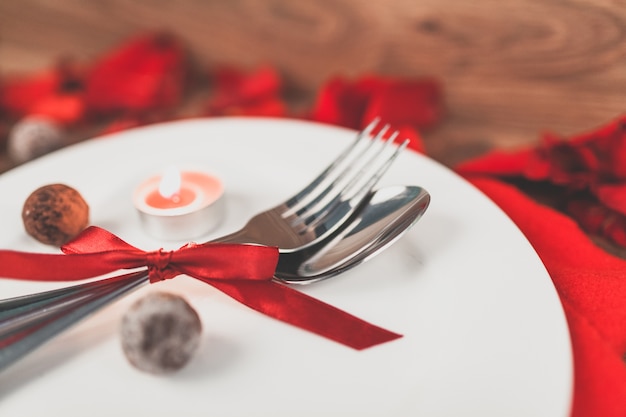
point(510, 69)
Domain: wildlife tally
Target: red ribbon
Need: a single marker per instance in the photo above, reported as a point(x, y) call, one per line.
point(243, 272)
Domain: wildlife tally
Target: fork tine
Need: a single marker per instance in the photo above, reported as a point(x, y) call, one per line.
point(331, 211)
point(303, 195)
point(334, 192)
point(317, 196)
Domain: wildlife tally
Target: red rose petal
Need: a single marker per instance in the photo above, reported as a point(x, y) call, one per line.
point(238, 93)
point(233, 84)
point(122, 124)
point(403, 102)
point(617, 150)
point(143, 74)
point(404, 132)
point(55, 94)
point(589, 215)
point(354, 104)
point(599, 220)
point(415, 140)
point(17, 96)
point(498, 163)
point(63, 109)
point(342, 103)
point(270, 107)
point(612, 196)
point(603, 150)
point(538, 167)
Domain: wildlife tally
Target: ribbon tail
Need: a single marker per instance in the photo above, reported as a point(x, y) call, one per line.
point(293, 307)
point(52, 267)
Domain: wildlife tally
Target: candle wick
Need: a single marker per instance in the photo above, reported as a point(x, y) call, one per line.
point(175, 198)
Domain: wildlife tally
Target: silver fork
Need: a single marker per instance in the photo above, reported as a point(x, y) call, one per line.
point(317, 210)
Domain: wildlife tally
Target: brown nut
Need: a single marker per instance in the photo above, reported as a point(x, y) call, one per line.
point(54, 214)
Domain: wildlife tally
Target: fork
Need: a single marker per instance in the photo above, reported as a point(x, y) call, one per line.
point(316, 211)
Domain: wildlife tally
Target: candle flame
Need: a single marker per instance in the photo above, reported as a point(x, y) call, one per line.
point(169, 186)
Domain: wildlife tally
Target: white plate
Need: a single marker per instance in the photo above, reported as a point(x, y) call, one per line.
point(484, 332)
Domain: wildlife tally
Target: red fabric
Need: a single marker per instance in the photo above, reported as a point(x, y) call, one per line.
point(243, 272)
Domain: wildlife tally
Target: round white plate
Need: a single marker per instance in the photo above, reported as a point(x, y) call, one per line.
point(484, 332)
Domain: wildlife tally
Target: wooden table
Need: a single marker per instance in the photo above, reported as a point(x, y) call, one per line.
point(510, 69)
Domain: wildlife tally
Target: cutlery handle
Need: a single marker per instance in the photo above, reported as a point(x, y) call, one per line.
point(240, 236)
point(56, 313)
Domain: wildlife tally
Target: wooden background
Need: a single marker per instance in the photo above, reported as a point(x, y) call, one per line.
point(511, 69)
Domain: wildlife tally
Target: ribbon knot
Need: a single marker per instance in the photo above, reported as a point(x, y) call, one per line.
point(158, 263)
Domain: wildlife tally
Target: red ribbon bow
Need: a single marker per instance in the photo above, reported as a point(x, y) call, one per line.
point(243, 272)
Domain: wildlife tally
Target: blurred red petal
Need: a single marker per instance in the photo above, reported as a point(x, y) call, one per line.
point(563, 163)
point(615, 230)
point(612, 196)
point(589, 215)
point(403, 133)
point(234, 88)
point(56, 94)
point(403, 102)
point(354, 104)
point(538, 167)
point(19, 95)
point(600, 221)
point(63, 109)
point(272, 107)
point(603, 150)
point(121, 124)
point(262, 83)
point(415, 139)
point(497, 163)
point(617, 150)
point(143, 74)
point(341, 102)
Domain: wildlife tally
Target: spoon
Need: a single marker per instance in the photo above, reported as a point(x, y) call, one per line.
point(387, 215)
point(29, 321)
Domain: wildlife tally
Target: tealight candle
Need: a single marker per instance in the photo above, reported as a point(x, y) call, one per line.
point(179, 205)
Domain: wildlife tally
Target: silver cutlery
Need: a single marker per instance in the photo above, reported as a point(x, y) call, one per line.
point(29, 321)
point(338, 204)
